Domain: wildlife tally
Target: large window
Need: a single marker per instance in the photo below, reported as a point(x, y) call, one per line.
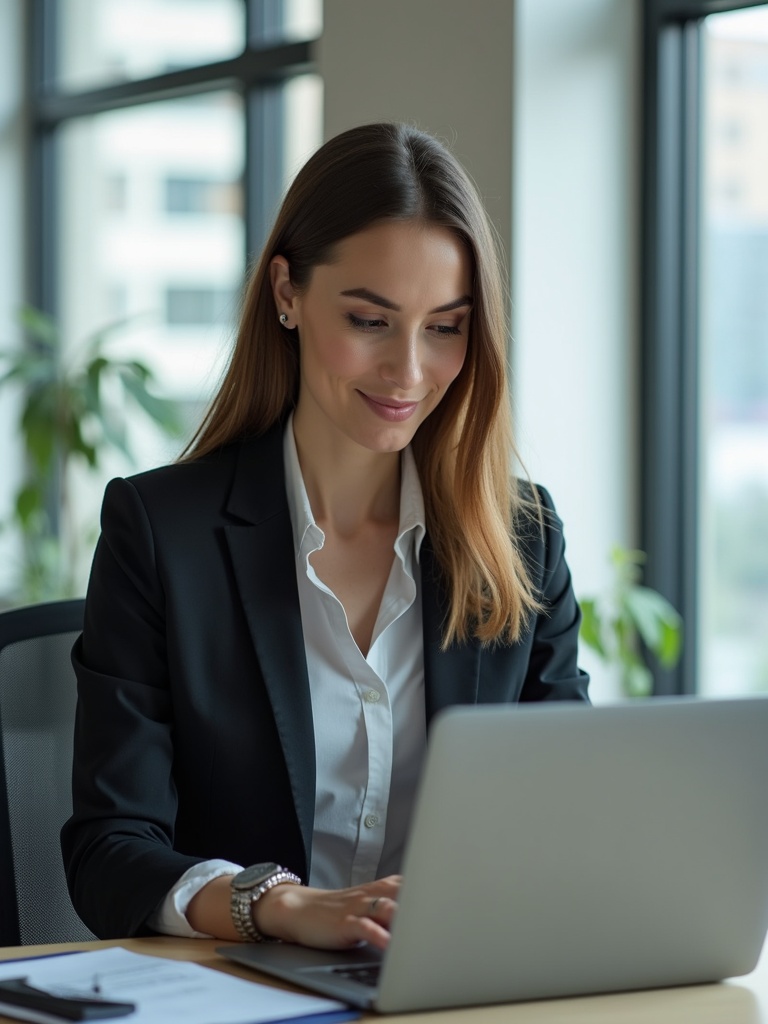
point(733, 491)
point(705, 338)
point(164, 133)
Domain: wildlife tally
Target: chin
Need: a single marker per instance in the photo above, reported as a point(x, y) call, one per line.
point(384, 441)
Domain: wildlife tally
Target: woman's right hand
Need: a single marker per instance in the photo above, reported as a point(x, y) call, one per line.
point(329, 918)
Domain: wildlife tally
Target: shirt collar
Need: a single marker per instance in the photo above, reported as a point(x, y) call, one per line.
point(307, 535)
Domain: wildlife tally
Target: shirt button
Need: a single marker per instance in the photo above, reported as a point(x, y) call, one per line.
point(371, 820)
point(372, 696)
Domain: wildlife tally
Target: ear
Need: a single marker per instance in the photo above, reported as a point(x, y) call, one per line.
point(283, 291)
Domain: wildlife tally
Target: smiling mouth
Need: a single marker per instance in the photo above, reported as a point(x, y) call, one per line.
point(390, 409)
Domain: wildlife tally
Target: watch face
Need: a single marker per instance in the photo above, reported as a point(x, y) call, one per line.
point(253, 876)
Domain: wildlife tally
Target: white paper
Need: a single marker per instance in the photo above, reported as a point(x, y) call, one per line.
point(164, 990)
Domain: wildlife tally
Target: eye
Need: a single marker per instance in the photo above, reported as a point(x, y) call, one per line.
point(364, 324)
point(446, 329)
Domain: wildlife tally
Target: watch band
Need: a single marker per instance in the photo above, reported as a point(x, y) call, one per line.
point(247, 888)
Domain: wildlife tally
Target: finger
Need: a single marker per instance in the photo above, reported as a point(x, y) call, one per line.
point(389, 886)
point(393, 881)
point(382, 909)
point(363, 929)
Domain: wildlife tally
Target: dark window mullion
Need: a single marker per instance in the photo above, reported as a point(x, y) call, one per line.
point(42, 233)
point(248, 69)
point(692, 167)
point(669, 521)
point(264, 131)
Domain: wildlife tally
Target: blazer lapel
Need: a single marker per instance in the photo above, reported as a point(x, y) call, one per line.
point(451, 676)
point(261, 547)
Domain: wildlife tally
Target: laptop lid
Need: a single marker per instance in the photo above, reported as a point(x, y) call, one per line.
point(564, 850)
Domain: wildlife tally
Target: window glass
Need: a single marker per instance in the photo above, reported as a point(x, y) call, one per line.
point(302, 19)
point(152, 236)
point(303, 128)
point(733, 651)
point(106, 41)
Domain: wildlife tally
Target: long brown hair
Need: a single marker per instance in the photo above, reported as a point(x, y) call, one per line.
point(464, 449)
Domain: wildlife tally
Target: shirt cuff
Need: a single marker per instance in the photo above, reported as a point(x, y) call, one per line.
point(169, 918)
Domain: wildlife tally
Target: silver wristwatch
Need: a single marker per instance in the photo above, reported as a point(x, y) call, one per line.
point(247, 888)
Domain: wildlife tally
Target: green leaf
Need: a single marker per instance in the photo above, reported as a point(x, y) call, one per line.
point(30, 368)
point(626, 638)
point(29, 501)
point(74, 442)
point(637, 680)
point(115, 434)
point(591, 627)
point(39, 326)
point(161, 410)
point(139, 370)
point(39, 437)
point(655, 619)
point(671, 644)
point(92, 388)
point(627, 556)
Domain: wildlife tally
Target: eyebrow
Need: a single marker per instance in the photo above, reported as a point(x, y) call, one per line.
point(379, 300)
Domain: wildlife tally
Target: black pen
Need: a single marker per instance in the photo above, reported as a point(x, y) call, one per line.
point(15, 992)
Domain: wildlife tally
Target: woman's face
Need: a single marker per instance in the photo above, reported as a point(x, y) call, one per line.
point(382, 332)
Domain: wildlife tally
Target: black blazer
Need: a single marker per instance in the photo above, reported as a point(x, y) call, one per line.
point(194, 734)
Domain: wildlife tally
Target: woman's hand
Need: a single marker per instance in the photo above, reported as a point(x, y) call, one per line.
point(329, 919)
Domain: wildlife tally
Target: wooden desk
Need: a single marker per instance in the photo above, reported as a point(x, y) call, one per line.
point(742, 1001)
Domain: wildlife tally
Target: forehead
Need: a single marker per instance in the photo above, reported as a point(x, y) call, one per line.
point(402, 261)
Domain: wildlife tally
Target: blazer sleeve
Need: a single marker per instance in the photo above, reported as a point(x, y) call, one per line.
point(552, 672)
point(119, 840)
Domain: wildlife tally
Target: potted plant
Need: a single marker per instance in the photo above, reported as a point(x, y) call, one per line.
point(72, 412)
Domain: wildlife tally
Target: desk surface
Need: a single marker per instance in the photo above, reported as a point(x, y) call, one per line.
point(741, 1001)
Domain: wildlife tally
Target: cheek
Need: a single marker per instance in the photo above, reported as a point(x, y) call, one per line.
point(333, 354)
point(449, 365)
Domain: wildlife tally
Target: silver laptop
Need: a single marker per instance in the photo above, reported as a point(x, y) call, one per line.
point(562, 850)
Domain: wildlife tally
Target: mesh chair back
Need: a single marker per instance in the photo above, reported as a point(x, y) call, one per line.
point(37, 712)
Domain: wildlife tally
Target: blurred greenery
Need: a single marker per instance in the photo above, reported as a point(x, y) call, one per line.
point(631, 617)
point(75, 406)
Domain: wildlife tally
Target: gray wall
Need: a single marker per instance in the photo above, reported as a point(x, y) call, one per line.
point(443, 65)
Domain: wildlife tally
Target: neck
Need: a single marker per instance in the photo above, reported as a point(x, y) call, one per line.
point(348, 486)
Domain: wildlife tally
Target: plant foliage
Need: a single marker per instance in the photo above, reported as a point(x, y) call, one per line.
point(75, 407)
point(632, 617)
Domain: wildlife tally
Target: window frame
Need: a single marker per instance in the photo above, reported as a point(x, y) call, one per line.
point(669, 421)
point(257, 74)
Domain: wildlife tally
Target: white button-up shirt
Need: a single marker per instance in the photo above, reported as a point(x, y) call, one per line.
point(368, 711)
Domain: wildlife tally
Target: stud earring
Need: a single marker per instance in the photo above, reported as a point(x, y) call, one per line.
point(283, 319)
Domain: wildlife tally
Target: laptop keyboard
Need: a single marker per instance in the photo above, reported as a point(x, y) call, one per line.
point(366, 974)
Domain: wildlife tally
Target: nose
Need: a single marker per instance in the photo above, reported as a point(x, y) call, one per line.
point(402, 363)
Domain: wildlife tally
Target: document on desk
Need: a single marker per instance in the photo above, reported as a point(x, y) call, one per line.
point(166, 990)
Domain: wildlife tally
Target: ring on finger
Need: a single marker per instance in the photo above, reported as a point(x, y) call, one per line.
point(374, 902)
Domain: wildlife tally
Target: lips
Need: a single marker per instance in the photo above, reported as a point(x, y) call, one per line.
point(390, 409)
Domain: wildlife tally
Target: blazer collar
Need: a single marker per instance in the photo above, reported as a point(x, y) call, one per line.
point(258, 486)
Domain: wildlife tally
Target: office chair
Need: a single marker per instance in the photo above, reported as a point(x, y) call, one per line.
point(37, 713)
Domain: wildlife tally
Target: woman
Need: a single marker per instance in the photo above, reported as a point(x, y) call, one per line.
point(272, 622)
